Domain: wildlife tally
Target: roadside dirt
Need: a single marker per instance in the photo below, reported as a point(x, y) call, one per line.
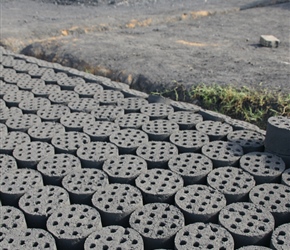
point(155, 45)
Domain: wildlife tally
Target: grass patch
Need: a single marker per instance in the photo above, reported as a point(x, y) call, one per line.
point(250, 105)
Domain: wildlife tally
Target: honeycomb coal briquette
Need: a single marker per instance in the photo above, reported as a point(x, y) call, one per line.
point(157, 153)
point(114, 237)
point(40, 202)
point(7, 113)
point(11, 140)
point(203, 236)
point(82, 183)
point(184, 106)
point(7, 162)
point(158, 224)
point(192, 167)
point(69, 142)
point(51, 77)
point(3, 129)
point(45, 91)
point(248, 223)
point(160, 130)
point(29, 154)
point(234, 183)
point(53, 113)
point(16, 182)
point(128, 93)
point(93, 154)
point(132, 104)
point(132, 120)
point(31, 106)
point(128, 140)
point(24, 67)
point(28, 239)
point(107, 113)
point(116, 202)
point(83, 105)
point(212, 115)
point(63, 97)
point(22, 122)
point(55, 167)
point(251, 141)
point(13, 98)
point(275, 198)
point(215, 130)
point(185, 119)
point(88, 90)
point(280, 239)
point(108, 97)
point(10, 62)
point(10, 217)
point(200, 203)
point(69, 83)
point(44, 131)
point(285, 179)
point(189, 140)
point(100, 130)
point(159, 185)
point(14, 78)
point(278, 135)
point(76, 121)
point(265, 167)
point(7, 72)
point(28, 85)
point(223, 153)
point(157, 110)
point(38, 72)
point(71, 225)
point(8, 88)
point(124, 168)
point(241, 125)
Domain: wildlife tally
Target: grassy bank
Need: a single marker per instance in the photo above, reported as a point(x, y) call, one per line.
point(251, 105)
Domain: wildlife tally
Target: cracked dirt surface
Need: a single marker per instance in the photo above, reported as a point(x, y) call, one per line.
point(153, 45)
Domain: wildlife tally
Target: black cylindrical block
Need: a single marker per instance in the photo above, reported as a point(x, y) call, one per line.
point(234, 183)
point(16, 182)
point(158, 224)
point(200, 203)
point(55, 167)
point(265, 167)
point(28, 155)
point(82, 183)
point(124, 168)
point(159, 185)
point(93, 154)
point(248, 223)
point(128, 140)
point(114, 237)
point(157, 153)
point(203, 236)
point(275, 198)
point(116, 202)
point(71, 225)
point(40, 202)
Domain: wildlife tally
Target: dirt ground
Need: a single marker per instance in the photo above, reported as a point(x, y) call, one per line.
point(156, 44)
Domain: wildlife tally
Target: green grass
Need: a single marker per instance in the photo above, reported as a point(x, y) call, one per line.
point(251, 105)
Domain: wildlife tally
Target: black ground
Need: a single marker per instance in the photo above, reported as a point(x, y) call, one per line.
point(156, 44)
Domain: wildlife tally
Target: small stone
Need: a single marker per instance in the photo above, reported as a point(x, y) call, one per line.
point(269, 41)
